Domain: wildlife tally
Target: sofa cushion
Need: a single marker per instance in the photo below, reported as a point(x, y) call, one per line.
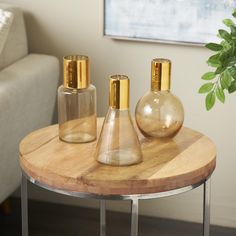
point(16, 44)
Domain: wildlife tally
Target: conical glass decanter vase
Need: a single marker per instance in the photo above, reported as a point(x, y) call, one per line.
point(118, 144)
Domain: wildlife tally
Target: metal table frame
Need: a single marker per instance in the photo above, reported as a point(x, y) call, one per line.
point(134, 198)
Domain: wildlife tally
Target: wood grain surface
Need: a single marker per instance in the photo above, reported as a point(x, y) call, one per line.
point(188, 158)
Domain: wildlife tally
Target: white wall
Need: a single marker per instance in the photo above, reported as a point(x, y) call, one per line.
point(76, 26)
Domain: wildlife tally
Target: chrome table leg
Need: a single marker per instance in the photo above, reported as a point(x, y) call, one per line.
point(102, 218)
point(206, 207)
point(24, 206)
point(134, 217)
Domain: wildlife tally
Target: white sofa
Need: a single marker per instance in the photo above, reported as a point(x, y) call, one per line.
point(28, 84)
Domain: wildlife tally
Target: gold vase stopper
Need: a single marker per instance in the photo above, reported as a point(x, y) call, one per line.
point(119, 92)
point(76, 71)
point(160, 74)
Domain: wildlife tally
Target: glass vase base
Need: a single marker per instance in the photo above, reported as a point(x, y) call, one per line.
point(119, 158)
point(77, 138)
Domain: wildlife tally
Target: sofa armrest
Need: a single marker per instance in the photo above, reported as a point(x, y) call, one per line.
point(27, 102)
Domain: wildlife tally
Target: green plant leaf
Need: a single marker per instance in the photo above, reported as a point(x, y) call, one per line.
point(219, 70)
point(233, 30)
point(232, 72)
point(227, 77)
point(209, 76)
point(230, 61)
point(205, 88)
point(220, 94)
point(223, 84)
point(226, 57)
point(225, 80)
point(228, 22)
point(226, 46)
point(210, 100)
point(214, 60)
point(214, 46)
point(225, 35)
point(232, 87)
point(234, 13)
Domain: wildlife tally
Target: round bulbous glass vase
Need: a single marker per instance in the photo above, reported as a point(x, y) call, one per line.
point(159, 114)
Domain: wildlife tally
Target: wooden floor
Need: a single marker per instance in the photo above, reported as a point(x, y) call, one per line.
point(46, 219)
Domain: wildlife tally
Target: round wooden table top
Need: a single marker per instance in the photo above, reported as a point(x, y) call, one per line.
point(187, 159)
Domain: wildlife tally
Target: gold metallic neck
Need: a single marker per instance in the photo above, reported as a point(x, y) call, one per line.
point(119, 92)
point(160, 74)
point(76, 71)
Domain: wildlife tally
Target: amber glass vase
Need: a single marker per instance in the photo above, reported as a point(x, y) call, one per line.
point(118, 144)
point(77, 102)
point(159, 113)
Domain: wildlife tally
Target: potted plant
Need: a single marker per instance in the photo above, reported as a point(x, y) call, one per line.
point(223, 78)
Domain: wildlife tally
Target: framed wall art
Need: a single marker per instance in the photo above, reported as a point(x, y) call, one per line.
point(170, 21)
